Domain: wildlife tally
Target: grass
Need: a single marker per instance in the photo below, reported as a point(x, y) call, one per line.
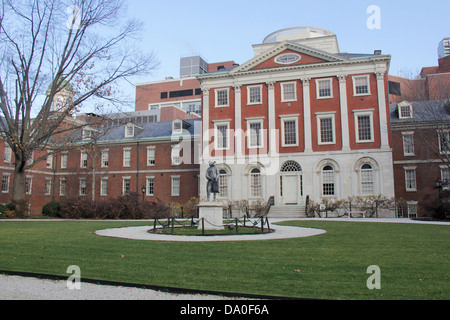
point(413, 259)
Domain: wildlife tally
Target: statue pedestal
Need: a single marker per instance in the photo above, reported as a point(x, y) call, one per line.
point(212, 212)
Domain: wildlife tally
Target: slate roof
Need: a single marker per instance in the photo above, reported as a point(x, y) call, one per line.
point(142, 131)
point(423, 111)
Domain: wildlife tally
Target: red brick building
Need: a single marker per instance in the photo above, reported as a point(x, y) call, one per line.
point(300, 121)
point(420, 138)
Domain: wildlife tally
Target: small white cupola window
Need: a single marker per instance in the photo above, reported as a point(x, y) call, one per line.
point(405, 110)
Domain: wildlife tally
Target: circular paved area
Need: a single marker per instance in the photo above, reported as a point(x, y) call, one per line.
point(141, 233)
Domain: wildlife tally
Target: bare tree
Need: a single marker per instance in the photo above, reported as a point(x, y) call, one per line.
point(54, 48)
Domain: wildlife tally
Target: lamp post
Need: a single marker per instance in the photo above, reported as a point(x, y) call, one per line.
point(143, 189)
point(438, 184)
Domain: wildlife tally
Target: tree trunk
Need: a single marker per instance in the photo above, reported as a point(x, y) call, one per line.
point(18, 190)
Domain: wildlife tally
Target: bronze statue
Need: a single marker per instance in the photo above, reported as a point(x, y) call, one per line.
point(212, 175)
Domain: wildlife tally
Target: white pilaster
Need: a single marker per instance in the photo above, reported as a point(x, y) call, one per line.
point(237, 121)
point(307, 114)
point(205, 124)
point(271, 112)
point(382, 110)
point(344, 115)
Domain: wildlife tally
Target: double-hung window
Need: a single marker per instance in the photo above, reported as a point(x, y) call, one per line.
point(364, 125)
point(288, 92)
point(254, 95)
point(325, 128)
point(127, 157)
point(151, 156)
point(328, 178)
point(222, 99)
point(408, 143)
point(324, 88)
point(361, 85)
point(255, 133)
point(175, 186)
point(289, 131)
point(105, 158)
point(150, 186)
point(410, 179)
point(222, 135)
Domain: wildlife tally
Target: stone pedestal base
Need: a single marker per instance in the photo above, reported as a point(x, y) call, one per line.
point(212, 212)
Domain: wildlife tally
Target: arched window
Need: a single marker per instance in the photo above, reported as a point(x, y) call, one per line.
point(291, 166)
point(367, 179)
point(328, 188)
point(223, 183)
point(255, 183)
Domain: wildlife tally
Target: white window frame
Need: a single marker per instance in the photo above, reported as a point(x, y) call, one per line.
point(283, 97)
point(124, 183)
point(176, 123)
point(216, 94)
point(447, 138)
point(406, 146)
point(84, 160)
point(174, 192)
point(62, 186)
point(354, 78)
point(175, 155)
point(224, 184)
point(249, 89)
point(366, 182)
point(129, 134)
point(48, 187)
point(83, 187)
point(6, 182)
point(256, 178)
point(249, 133)
point(150, 186)
point(409, 112)
point(64, 159)
point(28, 185)
point(126, 157)
point(49, 161)
point(216, 131)
point(104, 186)
point(318, 81)
point(364, 113)
point(325, 180)
point(410, 169)
point(285, 119)
point(105, 158)
point(151, 156)
point(326, 115)
point(7, 157)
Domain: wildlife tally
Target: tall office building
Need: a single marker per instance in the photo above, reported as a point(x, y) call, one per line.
point(444, 48)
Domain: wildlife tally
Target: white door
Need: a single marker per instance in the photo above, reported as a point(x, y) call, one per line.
point(290, 189)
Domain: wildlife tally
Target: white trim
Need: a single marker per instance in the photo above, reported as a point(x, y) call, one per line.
point(261, 133)
point(216, 91)
point(364, 112)
point(282, 84)
point(172, 185)
point(354, 85)
point(217, 124)
point(260, 95)
point(326, 115)
point(330, 80)
point(283, 120)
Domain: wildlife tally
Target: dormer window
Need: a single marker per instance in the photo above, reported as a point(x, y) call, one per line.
point(129, 130)
point(177, 126)
point(86, 134)
point(405, 110)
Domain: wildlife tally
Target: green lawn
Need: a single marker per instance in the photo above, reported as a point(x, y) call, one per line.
point(414, 259)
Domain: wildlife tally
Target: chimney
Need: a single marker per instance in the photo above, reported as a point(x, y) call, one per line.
point(377, 52)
